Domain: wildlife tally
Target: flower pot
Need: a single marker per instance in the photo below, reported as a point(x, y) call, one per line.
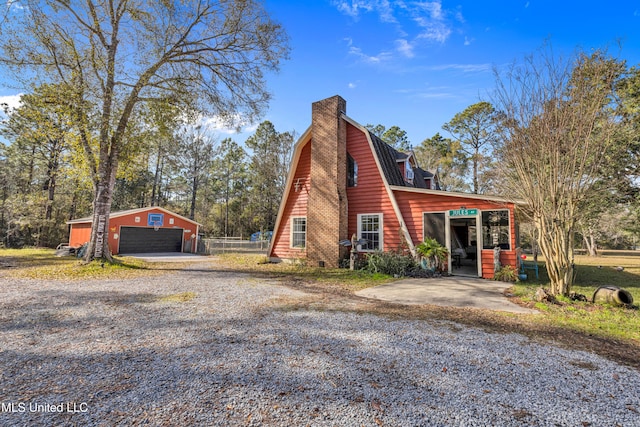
point(522, 276)
point(612, 295)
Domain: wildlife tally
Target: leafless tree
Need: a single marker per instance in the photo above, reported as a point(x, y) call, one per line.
point(558, 134)
point(115, 55)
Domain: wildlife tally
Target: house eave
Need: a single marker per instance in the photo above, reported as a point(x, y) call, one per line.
point(118, 214)
point(497, 199)
point(295, 157)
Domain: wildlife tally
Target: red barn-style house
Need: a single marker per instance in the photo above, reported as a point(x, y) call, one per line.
point(345, 180)
point(144, 230)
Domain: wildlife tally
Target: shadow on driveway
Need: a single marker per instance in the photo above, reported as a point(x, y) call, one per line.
point(169, 257)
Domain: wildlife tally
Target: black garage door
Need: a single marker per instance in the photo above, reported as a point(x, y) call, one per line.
point(135, 240)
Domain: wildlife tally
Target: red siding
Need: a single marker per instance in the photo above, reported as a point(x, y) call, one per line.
point(370, 195)
point(81, 232)
point(115, 224)
point(413, 205)
point(295, 205)
point(506, 258)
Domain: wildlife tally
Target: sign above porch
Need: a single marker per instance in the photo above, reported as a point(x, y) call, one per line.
point(463, 212)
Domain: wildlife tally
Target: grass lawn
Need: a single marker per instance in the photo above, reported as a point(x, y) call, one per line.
point(335, 277)
point(41, 263)
point(592, 272)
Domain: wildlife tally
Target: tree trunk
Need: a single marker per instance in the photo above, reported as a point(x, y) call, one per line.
point(99, 243)
point(155, 192)
point(226, 205)
point(192, 211)
point(475, 172)
point(555, 243)
point(590, 244)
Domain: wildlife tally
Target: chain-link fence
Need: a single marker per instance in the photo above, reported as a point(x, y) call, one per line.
point(220, 245)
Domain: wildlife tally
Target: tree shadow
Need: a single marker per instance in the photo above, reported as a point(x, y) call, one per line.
point(133, 360)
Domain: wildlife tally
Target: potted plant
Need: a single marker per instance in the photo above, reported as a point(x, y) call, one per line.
point(433, 253)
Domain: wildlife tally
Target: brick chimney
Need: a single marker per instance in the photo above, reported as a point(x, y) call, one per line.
point(327, 206)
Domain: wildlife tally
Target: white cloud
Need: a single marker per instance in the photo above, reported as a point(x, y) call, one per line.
point(467, 41)
point(465, 68)
point(351, 85)
point(431, 18)
point(354, 8)
point(405, 48)
point(14, 4)
point(433, 24)
point(230, 126)
point(435, 95)
point(434, 9)
point(436, 31)
point(13, 101)
point(371, 59)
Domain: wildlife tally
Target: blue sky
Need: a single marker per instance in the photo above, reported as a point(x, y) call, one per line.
point(415, 64)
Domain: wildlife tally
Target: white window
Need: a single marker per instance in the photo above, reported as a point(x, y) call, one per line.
point(299, 232)
point(370, 228)
point(408, 171)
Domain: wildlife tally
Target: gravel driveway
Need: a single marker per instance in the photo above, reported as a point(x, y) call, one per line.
point(128, 353)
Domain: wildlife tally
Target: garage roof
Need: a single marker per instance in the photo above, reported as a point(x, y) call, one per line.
point(132, 212)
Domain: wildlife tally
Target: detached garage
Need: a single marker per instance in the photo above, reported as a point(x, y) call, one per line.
point(144, 230)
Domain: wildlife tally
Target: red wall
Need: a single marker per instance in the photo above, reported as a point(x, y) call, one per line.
point(295, 205)
point(413, 205)
point(81, 232)
point(370, 195)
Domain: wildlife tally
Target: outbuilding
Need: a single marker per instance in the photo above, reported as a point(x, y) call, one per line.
point(144, 230)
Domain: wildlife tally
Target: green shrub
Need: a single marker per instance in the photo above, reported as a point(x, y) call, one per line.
point(435, 254)
point(390, 263)
point(506, 274)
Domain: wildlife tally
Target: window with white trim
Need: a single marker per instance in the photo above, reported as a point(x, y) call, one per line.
point(370, 228)
point(299, 232)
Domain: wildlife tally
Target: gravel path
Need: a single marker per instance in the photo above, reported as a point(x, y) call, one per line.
point(125, 353)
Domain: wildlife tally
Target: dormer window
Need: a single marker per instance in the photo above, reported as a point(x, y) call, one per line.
point(408, 172)
point(352, 172)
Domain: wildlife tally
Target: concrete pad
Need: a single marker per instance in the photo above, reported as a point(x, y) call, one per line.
point(169, 257)
point(454, 291)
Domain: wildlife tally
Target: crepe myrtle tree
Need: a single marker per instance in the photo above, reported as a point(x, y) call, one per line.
point(559, 133)
point(114, 55)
